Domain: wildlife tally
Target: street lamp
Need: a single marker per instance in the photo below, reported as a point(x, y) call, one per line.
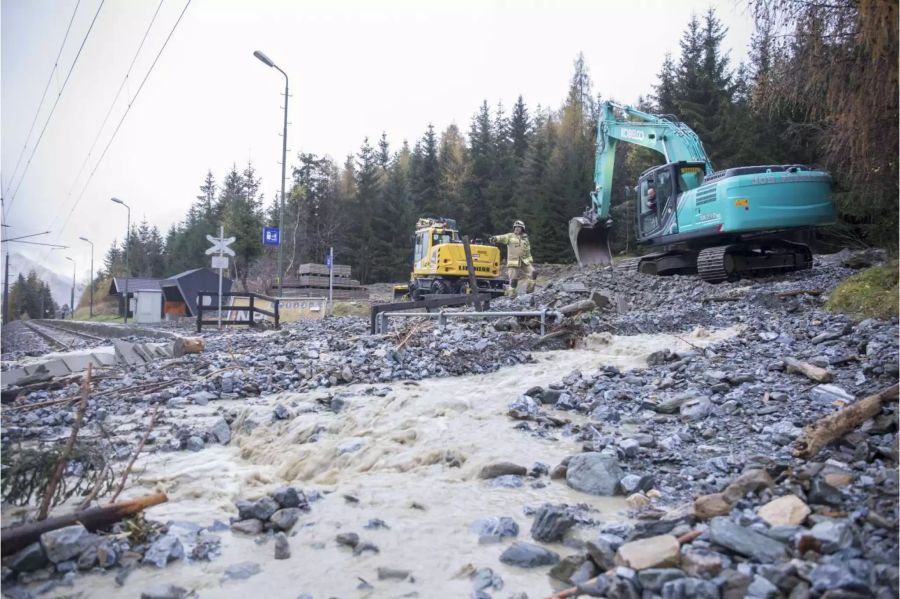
point(72, 299)
point(127, 235)
point(268, 62)
point(85, 239)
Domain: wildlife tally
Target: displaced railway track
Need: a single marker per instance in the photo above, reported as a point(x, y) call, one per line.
point(60, 337)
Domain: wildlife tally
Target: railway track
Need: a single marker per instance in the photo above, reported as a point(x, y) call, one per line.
point(62, 338)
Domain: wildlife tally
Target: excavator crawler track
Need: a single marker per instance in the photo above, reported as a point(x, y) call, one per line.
point(713, 265)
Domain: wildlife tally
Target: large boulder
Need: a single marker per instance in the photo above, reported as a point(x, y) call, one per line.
point(66, 543)
point(594, 473)
point(528, 555)
point(660, 551)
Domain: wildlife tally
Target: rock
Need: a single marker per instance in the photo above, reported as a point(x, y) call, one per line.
point(710, 506)
point(29, 559)
point(551, 524)
point(751, 480)
point(364, 546)
point(284, 519)
point(241, 571)
point(501, 469)
point(288, 497)
point(524, 408)
point(831, 577)
point(66, 543)
point(745, 541)
point(392, 574)
point(594, 473)
point(261, 509)
point(164, 591)
point(484, 578)
point(695, 409)
point(838, 479)
point(566, 567)
point(347, 539)
point(820, 492)
point(165, 549)
point(701, 563)
point(833, 535)
point(629, 447)
point(491, 530)
point(690, 588)
point(762, 589)
point(786, 510)
point(507, 481)
point(194, 443)
point(251, 526)
point(733, 584)
point(279, 412)
point(654, 552)
point(653, 579)
point(672, 404)
point(107, 554)
point(637, 500)
point(282, 546)
point(220, 432)
point(88, 558)
point(528, 555)
point(602, 553)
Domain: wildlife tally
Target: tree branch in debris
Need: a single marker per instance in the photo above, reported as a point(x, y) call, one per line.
point(820, 375)
point(136, 453)
point(50, 491)
point(834, 426)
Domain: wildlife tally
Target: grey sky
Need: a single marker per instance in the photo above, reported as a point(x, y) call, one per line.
point(357, 68)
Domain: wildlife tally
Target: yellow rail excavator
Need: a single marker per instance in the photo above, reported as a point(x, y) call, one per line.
point(439, 263)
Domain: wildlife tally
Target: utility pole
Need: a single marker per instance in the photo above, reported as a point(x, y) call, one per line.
point(127, 235)
point(92, 274)
point(6, 291)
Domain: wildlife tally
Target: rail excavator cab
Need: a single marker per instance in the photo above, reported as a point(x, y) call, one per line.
point(590, 241)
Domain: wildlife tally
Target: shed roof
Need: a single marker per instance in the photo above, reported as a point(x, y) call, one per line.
point(134, 284)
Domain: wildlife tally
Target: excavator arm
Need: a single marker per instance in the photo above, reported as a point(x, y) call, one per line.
point(589, 233)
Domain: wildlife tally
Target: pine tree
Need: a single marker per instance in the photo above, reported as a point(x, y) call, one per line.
point(481, 151)
point(455, 170)
point(520, 130)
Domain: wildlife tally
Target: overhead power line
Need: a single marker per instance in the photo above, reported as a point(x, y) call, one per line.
point(52, 110)
point(115, 99)
point(122, 120)
point(43, 97)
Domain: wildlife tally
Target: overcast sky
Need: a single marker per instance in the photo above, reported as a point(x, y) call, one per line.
point(356, 68)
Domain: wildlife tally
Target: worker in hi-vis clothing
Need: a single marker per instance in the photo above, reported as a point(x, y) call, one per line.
point(518, 257)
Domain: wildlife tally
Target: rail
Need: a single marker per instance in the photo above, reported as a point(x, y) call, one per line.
point(252, 309)
point(432, 302)
point(442, 316)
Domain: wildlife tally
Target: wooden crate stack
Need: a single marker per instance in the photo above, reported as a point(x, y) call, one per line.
point(312, 281)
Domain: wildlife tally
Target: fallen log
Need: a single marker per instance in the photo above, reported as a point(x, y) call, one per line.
point(834, 426)
point(578, 307)
point(820, 375)
point(562, 333)
point(15, 538)
point(573, 591)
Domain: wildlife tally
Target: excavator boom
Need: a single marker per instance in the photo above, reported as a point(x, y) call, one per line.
point(589, 233)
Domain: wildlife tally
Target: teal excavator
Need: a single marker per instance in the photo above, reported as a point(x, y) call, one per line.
point(720, 225)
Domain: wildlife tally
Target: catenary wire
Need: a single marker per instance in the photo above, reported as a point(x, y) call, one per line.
point(43, 97)
point(53, 109)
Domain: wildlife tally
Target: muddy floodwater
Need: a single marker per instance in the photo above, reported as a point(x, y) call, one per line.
point(379, 457)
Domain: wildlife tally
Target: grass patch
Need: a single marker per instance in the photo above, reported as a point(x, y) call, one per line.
point(873, 293)
point(350, 309)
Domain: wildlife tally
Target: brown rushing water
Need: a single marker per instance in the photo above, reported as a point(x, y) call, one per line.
point(403, 439)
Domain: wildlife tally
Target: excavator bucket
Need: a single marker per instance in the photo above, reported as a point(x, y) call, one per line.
point(590, 241)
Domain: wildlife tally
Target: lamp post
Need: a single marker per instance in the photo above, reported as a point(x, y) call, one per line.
point(268, 62)
point(85, 239)
point(72, 297)
point(127, 235)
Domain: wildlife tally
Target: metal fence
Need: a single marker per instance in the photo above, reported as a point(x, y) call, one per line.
point(252, 310)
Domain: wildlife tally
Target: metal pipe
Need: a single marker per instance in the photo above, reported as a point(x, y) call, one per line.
point(441, 316)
